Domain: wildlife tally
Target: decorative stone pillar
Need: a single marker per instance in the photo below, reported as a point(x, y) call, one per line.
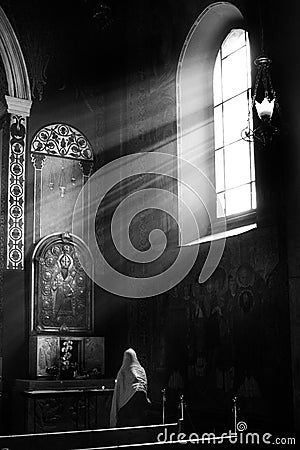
point(19, 110)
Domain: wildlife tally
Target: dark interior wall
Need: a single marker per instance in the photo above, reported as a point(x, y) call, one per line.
point(73, 92)
point(224, 346)
point(117, 85)
point(286, 36)
point(77, 96)
point(170, 338)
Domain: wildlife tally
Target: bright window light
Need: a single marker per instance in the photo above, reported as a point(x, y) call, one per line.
point(234, 157)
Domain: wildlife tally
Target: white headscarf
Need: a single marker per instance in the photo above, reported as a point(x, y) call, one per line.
point(131, 378)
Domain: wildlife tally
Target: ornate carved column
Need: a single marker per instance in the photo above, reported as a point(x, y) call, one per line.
point(19, 110)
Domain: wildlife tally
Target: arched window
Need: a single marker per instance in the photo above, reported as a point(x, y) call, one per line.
point(213, 84)
point(234, 158)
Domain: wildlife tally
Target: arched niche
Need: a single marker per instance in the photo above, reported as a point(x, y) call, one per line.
point(63, 159)
point(61, 292)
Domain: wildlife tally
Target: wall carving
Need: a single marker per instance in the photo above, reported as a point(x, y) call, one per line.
point(62, 140)
point(67, 411)
point(16, 193)
point(3, 213)
point(18, 89)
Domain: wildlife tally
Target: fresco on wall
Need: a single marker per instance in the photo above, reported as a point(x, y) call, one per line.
point(224, 338)
point(224, 349)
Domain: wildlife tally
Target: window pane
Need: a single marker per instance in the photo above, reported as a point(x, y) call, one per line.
point(221, 205)
point(235, 117)
point(248, 61)
point(218, 124)
point(217, 81)
point(234, 158)
point(238, 200)
point(237, 164)
point(252, 161)
point(219, 164)
point(253, 195)
point(234, 74)
point(235, 40)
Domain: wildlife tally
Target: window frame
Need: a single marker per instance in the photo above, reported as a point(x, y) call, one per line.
point(245, 216)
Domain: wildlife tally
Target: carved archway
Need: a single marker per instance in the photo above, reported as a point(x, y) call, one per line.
point(18, 106)
point(13, 60)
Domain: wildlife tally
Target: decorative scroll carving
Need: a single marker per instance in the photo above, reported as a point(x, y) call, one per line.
point(18, 88)
point(67, 411)
point(16, 193)
point(48, 414)
point(38, 161)
point(3, 217)
point(62, 140)
point(62, 292)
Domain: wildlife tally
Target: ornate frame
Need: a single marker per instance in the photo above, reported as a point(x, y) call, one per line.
point(62, 141)
point(62, 299)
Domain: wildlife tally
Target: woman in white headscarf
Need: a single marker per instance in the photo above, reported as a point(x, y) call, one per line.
point(129, 402)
